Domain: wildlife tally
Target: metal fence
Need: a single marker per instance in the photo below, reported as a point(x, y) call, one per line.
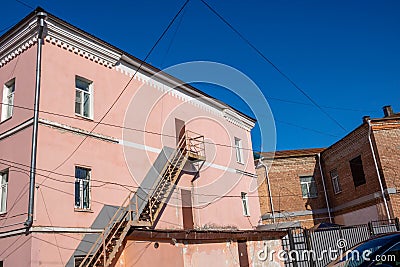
point(317, 247)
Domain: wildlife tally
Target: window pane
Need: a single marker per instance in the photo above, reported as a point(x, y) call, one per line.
point(304, 190)
point(82, 187)
point(78, 102)
point(313, 189)
point(306, 179)
point(77, 194)
point(83, 85)
point(4, 178)
point(357, 171)
point(3, 200)
point(85, 195)
point(86, 105)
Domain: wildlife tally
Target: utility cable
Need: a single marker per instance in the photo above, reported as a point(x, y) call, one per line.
point(126, 86)
point(273, 65)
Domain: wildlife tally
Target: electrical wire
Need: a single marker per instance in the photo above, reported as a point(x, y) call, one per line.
point(130, 187)
point(51, 224)
point(166, 135)
point(273, 65)
point(126, 86)
point(25, 4)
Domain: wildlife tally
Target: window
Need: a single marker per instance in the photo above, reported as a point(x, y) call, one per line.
point(82, 188)
point(335, 181)
point(83, 97)
point(245, 203)
point(8, 100)
point(3, 191)
point(357, 171)
point(308, 187)
point(239, 150)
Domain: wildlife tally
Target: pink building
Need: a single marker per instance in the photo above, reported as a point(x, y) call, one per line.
point(161, 177)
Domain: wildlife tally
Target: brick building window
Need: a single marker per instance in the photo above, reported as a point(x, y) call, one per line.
point(335, 181)
point(3, 191)
point(8, 100)
point(357, 171)
point(82, 188)
point(83, 97)
point(308, 187)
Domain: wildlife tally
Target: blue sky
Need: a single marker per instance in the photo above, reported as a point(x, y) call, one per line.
point(344, 54)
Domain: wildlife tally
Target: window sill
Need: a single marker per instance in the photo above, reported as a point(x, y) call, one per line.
point(241, 163)
point(83, 210)
point(3, 214)
point(1, 122)
point(310, 197)
point(337, 193)
point(83, 117)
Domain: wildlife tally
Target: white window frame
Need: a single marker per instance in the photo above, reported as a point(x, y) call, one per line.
point(335, 181)
point(3, 191)
point(245, 204)
point(308, 184)
point(239, 150)
point(81, 181)
point(8, 100)
point(82, 94)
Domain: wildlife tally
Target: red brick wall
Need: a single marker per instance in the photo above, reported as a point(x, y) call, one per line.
point(338, 157)
point(284, 178)
point(387, 138)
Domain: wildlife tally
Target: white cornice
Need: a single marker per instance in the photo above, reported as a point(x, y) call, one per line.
point(86, 46)
point(238, 120)
point(66, 36)
point(25, 37)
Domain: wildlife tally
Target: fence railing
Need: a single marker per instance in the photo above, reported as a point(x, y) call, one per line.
point(309, 244)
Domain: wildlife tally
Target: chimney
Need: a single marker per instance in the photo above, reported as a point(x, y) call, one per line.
point(366, 118)
point(387, 111)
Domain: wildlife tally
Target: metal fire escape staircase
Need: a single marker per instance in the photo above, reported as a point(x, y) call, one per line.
point(142, 210)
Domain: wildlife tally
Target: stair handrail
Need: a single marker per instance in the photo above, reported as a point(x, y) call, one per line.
point(177, 152)
point(96, 245)
point(195, 143)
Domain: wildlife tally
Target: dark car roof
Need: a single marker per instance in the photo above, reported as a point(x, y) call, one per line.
point(395, 238)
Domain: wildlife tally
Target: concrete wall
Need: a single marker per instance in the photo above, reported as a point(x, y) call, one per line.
point(15, 148)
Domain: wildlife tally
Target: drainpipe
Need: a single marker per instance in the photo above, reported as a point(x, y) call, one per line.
point(41, 16)
point(376, 167)
point(323, 184)
point(269, 189)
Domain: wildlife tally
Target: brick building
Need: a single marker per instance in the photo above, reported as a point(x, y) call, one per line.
point(341, 184)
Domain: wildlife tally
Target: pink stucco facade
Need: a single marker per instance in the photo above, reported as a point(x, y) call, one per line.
point(119, 153)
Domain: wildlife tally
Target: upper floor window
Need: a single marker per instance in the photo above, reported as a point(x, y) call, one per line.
point(3, 191)
point(8, 100)
point(83, 97)
point(245, 203)
point(239, 150)
point(335, 181)
point(308, 187)
point(82, 188)
point(357, 171)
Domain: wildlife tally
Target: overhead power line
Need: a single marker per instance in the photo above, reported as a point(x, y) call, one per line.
point(126, 86)
point(273, 65)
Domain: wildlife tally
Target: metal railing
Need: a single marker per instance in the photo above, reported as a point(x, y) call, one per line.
point(124, 214)
point(195, 145)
